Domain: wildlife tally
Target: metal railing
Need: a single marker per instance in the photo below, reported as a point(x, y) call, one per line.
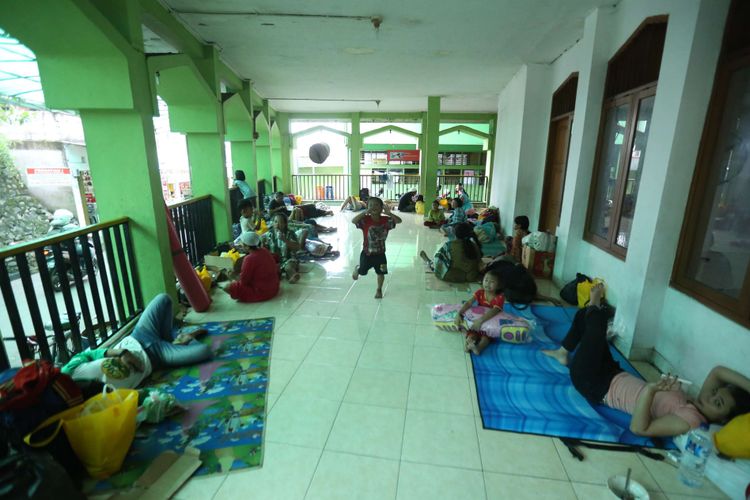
point(194, 221)
point(475, 186)
point(390, 186)
point(67, 292)
point(321, 187)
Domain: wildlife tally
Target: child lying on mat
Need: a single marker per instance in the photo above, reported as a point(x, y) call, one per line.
point(490, 295)
point(658, 408)
point(150, 346)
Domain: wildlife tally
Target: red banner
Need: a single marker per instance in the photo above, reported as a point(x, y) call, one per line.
point(403, 155)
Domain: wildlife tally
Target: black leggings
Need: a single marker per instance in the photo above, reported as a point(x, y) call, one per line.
point(593, 367)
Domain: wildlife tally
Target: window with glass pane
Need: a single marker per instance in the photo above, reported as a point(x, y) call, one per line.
point(721, 252)
point(635, 168)
point(612, 141)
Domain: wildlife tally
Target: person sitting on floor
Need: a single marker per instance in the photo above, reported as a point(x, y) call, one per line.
point(277, 205)
point(250, 220)
point(461, 193)
point(458, 261)
point(435, 217)
point(489, 296)
point(406, 202)
point(457, 217)
point(520, 230)
point(419, 204)
point(657, 408)
point(357, 204)
point(151, 346)
point(259, 277)
point(283, 243)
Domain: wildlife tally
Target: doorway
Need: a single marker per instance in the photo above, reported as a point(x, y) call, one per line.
point(563, 105)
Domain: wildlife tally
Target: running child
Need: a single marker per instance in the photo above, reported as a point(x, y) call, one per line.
point(375, 227)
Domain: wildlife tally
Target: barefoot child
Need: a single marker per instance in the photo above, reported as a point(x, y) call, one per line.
point(375, 227)
point(490, 296)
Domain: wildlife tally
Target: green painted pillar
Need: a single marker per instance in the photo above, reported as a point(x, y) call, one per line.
point(285, 151)
point(355, 145)
point(208, 177)
point(243, 158)
point(429, 160)
point(122, 155)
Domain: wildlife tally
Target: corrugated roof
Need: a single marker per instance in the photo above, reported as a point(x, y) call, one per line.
point(19, 74)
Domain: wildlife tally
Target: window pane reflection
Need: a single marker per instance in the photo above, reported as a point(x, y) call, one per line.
point(635, 169)
point(720, 257)
point(612, 144)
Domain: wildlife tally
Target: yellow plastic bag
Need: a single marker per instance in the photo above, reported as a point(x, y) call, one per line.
point(263, 227)
point(232, 254)
point(733, 440)
point(583, 290)
point(205, 278)
point(100, 430)
point(298, 199)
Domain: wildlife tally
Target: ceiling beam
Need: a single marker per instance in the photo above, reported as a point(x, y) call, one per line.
point(389, 128)
point(318, 128)
point(466, 130)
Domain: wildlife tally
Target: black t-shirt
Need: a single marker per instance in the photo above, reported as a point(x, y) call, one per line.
point(405, 200)
point(276, 204)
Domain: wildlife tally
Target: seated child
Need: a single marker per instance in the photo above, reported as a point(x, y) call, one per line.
point(520, 230)
point(259, 277)
point(282, 242)
point(150, 347)
point(419, 205)
point(250, 220)
point(457, 217)
point(489, 295)
point(435, 217)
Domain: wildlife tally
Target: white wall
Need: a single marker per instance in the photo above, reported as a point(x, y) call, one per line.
point(508, 147)
point(659, 322)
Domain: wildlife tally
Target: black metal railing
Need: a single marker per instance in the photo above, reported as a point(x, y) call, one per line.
point(321, 187)
point(67, 293)
point(474, 185)
point(194, 221)
point(389, 186)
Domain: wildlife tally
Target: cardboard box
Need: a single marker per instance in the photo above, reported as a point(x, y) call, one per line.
point(217, 263)
point(540, 264)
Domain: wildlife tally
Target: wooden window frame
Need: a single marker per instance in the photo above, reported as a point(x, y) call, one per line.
point(633, 98)
point(695, 222)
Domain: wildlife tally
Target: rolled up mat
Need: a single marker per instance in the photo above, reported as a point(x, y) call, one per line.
point(186, 275)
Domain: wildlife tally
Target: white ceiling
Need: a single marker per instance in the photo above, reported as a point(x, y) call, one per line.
point(465, 51)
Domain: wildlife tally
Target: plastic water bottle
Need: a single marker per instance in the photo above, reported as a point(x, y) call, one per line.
point(694, 458)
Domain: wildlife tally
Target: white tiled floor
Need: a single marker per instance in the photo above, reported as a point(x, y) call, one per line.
point(368, 400)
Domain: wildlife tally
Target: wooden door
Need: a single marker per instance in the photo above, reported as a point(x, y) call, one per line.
point(554, 173)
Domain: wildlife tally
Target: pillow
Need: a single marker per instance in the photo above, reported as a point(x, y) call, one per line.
point(733, 440)
point(504, 326)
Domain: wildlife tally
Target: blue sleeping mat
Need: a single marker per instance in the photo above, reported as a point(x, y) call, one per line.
point(522, 390)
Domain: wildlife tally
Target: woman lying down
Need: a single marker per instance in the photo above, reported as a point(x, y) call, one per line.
point(658, 408)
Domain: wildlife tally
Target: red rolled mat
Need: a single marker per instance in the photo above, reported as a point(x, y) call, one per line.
point(186, 275)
